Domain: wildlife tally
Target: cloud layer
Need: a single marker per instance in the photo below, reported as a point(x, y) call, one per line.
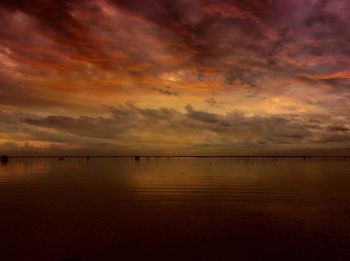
point(213, 76)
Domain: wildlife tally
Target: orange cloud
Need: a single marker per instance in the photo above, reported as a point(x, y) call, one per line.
point(336, 75)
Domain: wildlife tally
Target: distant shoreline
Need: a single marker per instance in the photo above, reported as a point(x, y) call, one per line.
point(178, 156)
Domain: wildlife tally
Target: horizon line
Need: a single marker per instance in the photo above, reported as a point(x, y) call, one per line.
point(177, 156)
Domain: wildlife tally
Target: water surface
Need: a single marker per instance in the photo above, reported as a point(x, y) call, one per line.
point(175, 209)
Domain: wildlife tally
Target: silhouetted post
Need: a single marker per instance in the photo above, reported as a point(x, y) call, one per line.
point(4, 159)
point(137, 158)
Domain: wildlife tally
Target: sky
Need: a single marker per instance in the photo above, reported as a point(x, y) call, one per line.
point(175, 77)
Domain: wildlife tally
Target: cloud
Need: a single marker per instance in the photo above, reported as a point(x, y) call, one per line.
point(165, 128)
point(165, 91)
point(213, 102)
point(62, 63)
point(336, 75)
point(337, 128)
point(14, 94)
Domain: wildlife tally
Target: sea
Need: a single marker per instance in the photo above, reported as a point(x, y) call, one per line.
point(175, 208)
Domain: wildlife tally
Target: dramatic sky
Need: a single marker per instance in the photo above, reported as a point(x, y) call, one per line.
point(174, 76)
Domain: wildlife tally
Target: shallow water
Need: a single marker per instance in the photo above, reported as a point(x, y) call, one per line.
point(175, 209)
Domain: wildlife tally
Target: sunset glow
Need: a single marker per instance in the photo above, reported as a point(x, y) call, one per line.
point(187, 77)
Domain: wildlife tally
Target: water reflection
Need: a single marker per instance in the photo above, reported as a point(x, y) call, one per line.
point(4, 159)
point(193, 208)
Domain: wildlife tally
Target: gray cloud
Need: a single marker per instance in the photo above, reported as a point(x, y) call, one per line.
point(338, 128)
point(132, 125)
point(165, 91)
point(213, 102)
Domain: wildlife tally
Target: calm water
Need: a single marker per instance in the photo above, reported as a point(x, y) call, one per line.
point(175, 209)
